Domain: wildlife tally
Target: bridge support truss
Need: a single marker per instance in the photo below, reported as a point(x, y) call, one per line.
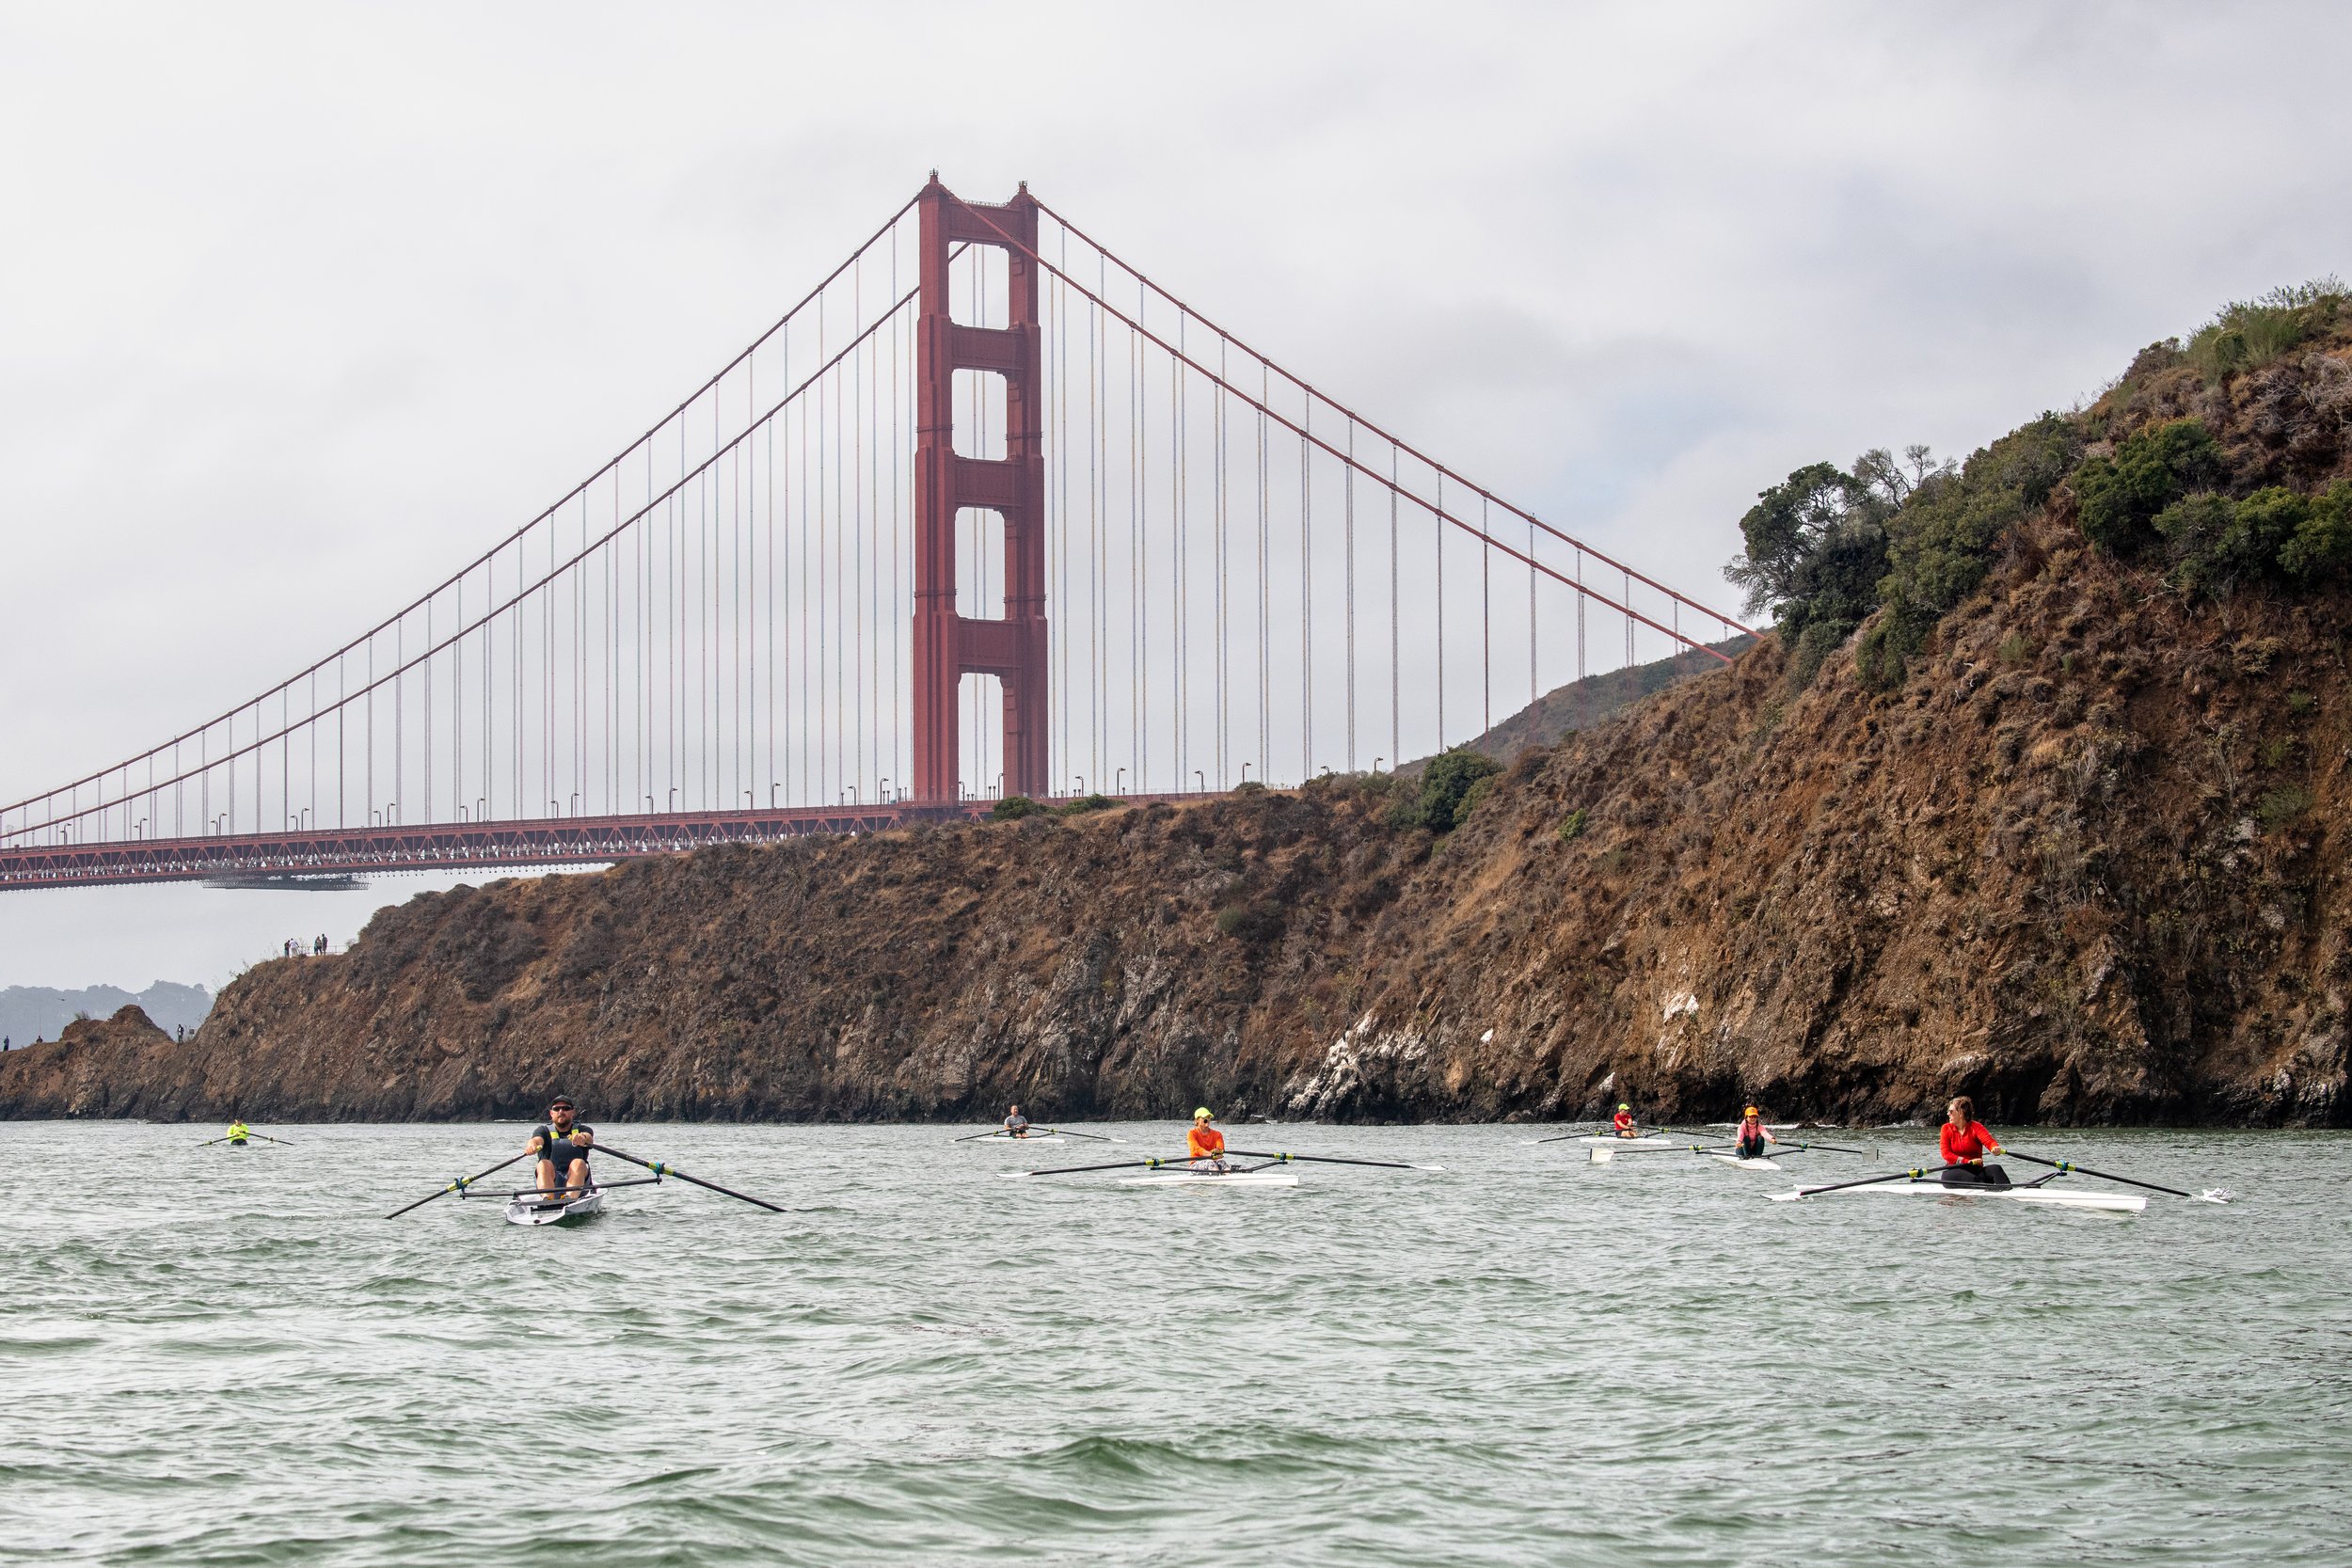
point(948, 645)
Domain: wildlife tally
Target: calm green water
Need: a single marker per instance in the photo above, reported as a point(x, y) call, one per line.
point(219, 1357)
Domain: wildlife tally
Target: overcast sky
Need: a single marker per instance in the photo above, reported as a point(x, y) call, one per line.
point(302, 304)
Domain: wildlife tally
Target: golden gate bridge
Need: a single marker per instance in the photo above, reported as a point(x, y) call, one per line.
point(989, 512)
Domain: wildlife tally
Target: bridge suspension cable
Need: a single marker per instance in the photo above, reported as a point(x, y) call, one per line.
point(708, 637)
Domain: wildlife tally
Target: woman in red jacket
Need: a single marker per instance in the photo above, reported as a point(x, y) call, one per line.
point(1964, 1143)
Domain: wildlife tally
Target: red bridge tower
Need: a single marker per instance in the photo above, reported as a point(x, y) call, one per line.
point(948, 646)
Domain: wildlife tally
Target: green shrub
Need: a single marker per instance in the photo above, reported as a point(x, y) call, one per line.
point(2120, 495)
point(2301, 702)
point(1252, 925)
point(2322, 542)
point(2215, 543)
point(1249, 787)
point(1878, 662)
point(2281, 806)
point(1813, 648)
point(1572, 826)
point(1939, 543)
point(2015, 651)
point(1014, 807)
point(1085, 803)
point(1451, 788)
point(2249, 334)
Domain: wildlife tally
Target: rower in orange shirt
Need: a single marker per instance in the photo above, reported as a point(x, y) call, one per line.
point(1964, 1143)
point(1204, 1146)
point(1622, 1123)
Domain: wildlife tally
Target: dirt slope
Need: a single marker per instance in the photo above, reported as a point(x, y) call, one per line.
point(2086, 862)
point(2087, 865)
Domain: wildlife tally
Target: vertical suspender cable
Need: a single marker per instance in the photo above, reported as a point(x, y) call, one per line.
point(1349, 578)
point(1396, 723)
point(1306, 593)
point(1177, 551)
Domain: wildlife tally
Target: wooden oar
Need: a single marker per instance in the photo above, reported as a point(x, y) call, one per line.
point(461, 1184)
point(1330, 1160)
point(660, 1169)
point(2214, 1194)
point(1912, 1175)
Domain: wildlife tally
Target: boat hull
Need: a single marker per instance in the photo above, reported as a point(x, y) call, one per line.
point(525, 1211)
point(1209, 1178)
point(2045, 1197)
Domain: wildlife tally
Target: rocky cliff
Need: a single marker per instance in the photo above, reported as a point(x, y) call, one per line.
point(2074, 845)
point(2087, 865)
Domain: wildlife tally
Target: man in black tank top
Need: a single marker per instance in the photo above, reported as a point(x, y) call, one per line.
point(563, 1145)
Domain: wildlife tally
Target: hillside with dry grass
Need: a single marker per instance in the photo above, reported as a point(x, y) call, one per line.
point(2040, 794)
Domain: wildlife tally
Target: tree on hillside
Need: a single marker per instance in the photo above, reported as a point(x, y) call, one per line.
point(1451, 788)
point(1817, 546)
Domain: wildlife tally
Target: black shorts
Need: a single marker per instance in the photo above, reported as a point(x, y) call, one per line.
point(1988, 1175)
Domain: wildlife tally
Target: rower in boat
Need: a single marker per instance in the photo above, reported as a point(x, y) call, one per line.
point(238, 1133)
point(1964, 1143)
point(1622, 1124)
point(1204, 1146)
point(1752, 1135)
point(562, 1144)
point(1016, 1125)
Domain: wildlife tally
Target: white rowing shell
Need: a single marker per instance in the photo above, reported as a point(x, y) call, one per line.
point(1608, 1156)
point(1007, 1137)
point(2122, 1203)
point(524, 1210)
point(1210, 1179)
point(1602, 1154)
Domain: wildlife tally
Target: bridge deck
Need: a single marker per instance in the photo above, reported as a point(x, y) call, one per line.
point(447, 845)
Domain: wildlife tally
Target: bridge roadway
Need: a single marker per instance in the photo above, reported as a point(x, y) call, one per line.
point(450, 846)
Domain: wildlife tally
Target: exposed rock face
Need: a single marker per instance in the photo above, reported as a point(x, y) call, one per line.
point(2086, 866)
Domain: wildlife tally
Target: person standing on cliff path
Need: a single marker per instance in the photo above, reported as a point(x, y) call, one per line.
point(1204, 1146)
point(563, 1145)
point(1752, 1135)
point(1964, 1142)
point(1016, 1125)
